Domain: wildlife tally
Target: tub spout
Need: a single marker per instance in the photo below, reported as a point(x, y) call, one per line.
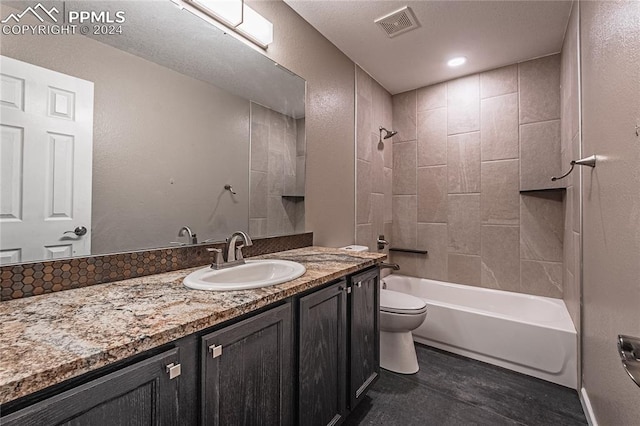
point(393, 266)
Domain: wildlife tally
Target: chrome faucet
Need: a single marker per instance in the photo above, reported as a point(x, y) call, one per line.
point(235, 253)
point(185, 230)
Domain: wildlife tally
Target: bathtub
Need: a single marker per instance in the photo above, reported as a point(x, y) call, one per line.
point(530, 334)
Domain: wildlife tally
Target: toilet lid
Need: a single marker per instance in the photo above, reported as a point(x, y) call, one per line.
point(401, 303)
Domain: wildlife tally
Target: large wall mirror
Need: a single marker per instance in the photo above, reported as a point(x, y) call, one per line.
point(114, 142)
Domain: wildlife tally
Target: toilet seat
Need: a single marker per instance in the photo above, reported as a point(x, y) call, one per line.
point(401, 303)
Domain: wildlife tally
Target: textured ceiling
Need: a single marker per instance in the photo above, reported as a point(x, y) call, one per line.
point(489, 33)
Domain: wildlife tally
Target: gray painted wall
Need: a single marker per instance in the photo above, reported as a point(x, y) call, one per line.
point(610, 53)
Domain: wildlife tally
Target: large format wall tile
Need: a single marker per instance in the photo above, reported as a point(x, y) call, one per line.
point(258, 201)
point(463, 103)
point(499, 81)
point(464, 223)
point(404, 116)
point(464, 269)
point(364, 84)
point(463, 163)
point(542, 224)
point(363, 196)
point(432, 137)
point(501, 257)
point(499, 127)
point(405, 222)
point(432, 97)
point(404, 168)
point(432, 194)
point(541, 278)
point(364, 121)
point(540, 157)
point(500, 194)
point(388, 193)
point(433, 238)
point(259, 147)
point(377, 165)
point(539, 89)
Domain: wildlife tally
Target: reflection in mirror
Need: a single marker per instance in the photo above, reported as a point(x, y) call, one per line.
point(134, 136)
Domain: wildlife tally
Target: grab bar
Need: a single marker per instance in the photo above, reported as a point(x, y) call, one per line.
point(407, 250)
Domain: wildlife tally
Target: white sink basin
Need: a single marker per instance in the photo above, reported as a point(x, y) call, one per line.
point(253, 274)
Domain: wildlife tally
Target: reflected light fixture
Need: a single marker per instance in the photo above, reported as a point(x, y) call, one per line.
point(237, 16)
point(457, 61)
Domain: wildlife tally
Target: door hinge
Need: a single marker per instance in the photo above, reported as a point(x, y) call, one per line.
point(174, 370)
point(216, 351)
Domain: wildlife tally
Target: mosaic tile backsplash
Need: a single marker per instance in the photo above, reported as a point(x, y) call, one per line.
point(37, 278)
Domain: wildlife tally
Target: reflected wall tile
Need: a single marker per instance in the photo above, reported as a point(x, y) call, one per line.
point(432, 194)
point(432, 97)
point(542, 226)
point(433, 238)
point(540, 156)
point(276, 132)
point(404, 116)
point(259, 147)
point(260, 114)
point(463, 163)
point(258, 200)
point(499, 127)
point(539, 89)
point(541, 278)
point(501, 257)
point(499, 81)
point(464, 269)
point(404, 221)
point(276, 216)
point(363, 195)
point(404, 168)
point(258, 227)
point(301, 166)
point(363, 123)
point(463, 103)
point(500, 192)
point(301, 139)
point(432, 137)
point(464, 223)
point(275, 176)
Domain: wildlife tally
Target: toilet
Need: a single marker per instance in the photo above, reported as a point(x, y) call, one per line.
point(400, 313)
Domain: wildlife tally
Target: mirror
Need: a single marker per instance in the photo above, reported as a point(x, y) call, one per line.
point(114, 140)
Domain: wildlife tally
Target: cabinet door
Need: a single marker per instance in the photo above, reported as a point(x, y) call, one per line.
point(247, 377)
point(323, 356)
point(141, 394)
point(364, 334)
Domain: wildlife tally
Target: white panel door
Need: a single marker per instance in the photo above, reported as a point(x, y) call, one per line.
point(46, 123)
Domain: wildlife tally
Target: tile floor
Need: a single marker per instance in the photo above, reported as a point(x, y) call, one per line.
point(454, 390)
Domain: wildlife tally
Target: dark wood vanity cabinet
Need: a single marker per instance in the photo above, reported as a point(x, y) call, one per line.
point(145, 393)
point(339, 348)
point(364, 334)
point(246, 371)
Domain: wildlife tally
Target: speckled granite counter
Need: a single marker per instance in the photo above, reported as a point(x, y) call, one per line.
point(47, 339)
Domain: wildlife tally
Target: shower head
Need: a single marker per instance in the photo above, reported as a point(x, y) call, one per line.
point(387, 133)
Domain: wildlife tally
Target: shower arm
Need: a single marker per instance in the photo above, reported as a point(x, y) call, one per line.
point(588, 161)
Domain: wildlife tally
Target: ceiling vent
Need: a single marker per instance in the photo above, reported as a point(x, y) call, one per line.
point(398, 22)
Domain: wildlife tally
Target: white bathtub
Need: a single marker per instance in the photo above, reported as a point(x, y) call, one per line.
point(530, 334)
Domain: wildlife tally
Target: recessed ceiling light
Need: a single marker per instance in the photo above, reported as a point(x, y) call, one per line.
point(456, 62)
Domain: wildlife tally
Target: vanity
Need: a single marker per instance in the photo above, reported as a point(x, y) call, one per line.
point(151, 351)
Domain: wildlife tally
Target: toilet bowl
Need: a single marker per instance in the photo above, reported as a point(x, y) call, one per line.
point(400, 313)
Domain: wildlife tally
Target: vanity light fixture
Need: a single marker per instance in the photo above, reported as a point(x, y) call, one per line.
point(456, 62)
point(237, 16)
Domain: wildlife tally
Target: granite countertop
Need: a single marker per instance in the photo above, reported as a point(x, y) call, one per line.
point(47, 339)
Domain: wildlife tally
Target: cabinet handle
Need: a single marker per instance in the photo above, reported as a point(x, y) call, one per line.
point(216, 351)
point(174, 370)
point(359, 284)
point(347, 289)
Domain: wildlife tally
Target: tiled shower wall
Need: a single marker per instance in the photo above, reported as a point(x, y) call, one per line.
point(571, 151)
point(374, 161)
point(276, 204)
point(456, 179)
